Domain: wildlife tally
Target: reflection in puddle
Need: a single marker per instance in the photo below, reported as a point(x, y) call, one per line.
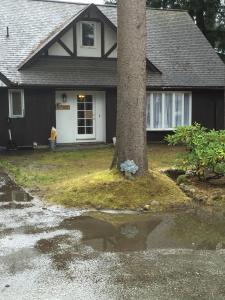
point(12, 196)
point(115, 235)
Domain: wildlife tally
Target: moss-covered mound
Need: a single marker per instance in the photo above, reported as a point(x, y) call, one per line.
point(107, 189)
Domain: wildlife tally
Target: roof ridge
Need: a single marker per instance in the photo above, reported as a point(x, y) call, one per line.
point(75, 3)
point(108, 5)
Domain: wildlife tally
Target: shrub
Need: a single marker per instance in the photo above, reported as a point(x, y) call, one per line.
point(205, 149)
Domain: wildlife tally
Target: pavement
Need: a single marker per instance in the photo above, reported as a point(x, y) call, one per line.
point(52, 253)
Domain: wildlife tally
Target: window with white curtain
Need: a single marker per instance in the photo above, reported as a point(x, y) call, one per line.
point(167, 110)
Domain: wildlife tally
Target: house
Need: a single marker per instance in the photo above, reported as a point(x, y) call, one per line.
point(58, 68)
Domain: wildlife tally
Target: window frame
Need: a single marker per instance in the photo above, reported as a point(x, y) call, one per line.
point(11, 115)
point(163, 128)
point(81, 34)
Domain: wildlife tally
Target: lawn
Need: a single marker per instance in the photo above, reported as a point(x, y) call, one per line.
point(82, 178)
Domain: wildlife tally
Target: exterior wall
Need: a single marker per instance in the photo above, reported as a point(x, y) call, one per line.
point(67, 119)
point(57, 50)
point(67, 39)
point(38, 120)
point(207, 109)
point(4, 111)
point(110, 38)
point(111, 103)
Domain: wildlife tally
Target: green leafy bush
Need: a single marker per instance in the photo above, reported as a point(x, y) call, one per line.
point(205, 149)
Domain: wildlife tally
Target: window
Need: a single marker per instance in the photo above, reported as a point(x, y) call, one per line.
point(16, 103)
point(167, 110)
point(88, 34)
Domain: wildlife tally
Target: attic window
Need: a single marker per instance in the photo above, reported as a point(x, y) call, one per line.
point(88, 33)
point(16, 103)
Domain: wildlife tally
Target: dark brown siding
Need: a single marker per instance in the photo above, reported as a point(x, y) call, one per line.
point(111, 103)
point(39, 117)
point(4, 111)
point(207, 109)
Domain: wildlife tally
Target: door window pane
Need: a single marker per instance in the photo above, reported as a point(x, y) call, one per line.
point(88, 98)
point(81, 130)
point(81, 114)
point(89, 130)
point(89, 106)
point(81, 122)
point(186, 109)
point(157, 110)
point(178, 109)
point(89, 122)
point(88, 34)
point(168, 110)
point(80, 106)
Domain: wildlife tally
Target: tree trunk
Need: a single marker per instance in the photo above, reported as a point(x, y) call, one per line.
point(131, 95)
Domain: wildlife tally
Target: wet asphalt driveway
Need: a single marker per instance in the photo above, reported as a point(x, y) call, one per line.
point(53, 253)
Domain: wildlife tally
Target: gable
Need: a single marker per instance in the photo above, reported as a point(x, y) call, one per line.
point(4, 81)
point(67, 41)
point(2, 84)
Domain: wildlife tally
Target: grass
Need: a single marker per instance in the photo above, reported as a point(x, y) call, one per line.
point(82, 178)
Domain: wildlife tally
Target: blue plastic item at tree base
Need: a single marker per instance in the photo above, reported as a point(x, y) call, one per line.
point(129, 166)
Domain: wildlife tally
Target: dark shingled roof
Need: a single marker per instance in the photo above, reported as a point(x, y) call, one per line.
point(175, 46)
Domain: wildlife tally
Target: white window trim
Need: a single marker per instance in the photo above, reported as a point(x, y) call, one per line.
point(150, 96)
point(81, 34)
point(11, 115)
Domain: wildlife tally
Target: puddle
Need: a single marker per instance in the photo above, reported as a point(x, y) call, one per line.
point(121, 233)
point(12, 196)
point(71, 254)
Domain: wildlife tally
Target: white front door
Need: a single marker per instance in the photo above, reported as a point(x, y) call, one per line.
point(65, 120)
point(81, 117)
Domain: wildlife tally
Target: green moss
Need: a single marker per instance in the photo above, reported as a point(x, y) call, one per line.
point(81, 178)
point(183, 179)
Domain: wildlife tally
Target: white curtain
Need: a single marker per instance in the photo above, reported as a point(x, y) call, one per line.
point(165, 113)
point(157, 110)
point(186, 109)
point(148, 114)
point(178, 109)
point(168, 110)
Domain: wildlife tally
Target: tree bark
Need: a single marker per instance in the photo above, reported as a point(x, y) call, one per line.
point(131, 94)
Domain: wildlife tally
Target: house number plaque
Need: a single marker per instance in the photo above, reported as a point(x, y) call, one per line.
point(60, 106)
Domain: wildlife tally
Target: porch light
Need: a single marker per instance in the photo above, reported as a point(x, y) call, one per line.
point(64, 98)
point(81, 97)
